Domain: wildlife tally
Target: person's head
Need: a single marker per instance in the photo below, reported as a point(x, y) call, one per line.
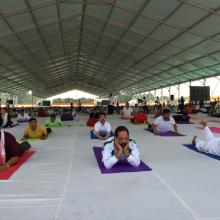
point(122, 135)
point(102, 117)
point(166, 114)
point(141, 109)
point(52, 118)
point(33, 123)
point(127, 104)
point(110, 94)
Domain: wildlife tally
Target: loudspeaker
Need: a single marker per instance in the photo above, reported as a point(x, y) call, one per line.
point(171, 97)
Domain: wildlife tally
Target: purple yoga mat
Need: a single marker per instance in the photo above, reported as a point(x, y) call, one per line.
point(185, 122)
point(119, 167)
point(168, 133)
point(171, 133)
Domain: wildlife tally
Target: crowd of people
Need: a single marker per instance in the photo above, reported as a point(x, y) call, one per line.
point(118, 145)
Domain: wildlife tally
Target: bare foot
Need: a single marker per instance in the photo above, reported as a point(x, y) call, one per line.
point(203, 123)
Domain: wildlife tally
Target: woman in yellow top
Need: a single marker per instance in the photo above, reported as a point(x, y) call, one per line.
point(35, 131)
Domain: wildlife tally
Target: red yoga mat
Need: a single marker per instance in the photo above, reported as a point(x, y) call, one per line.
point(214, 121)
point(213, 129)
point(8, 173)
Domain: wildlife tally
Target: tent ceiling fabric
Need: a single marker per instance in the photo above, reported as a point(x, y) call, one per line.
point(51, 46)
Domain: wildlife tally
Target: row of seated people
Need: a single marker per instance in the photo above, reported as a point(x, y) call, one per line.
point(22, 117)
point(120, 148)
point(40, 112)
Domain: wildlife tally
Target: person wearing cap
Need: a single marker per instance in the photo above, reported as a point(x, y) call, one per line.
point(35, 130)
point(10, 149)
point(120, 148)
point(211, 144)
point(53, 122)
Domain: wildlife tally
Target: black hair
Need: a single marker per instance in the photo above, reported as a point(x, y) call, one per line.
point(32, 119)
point(166, 111)
point(102, 113)
point(120, 129)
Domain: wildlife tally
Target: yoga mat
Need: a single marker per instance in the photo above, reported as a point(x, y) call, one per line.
point(119, 167)
point(9, 172)
point(192, 147)
point(168, 133)
point(93, 136)
point(23, 121)
point(218, 121)
point(213, 129)
point(185, 122)
point(13, 125)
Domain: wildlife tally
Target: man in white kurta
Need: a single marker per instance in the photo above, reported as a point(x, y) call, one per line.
point(211, 144)
point(164, 123)
point(102, 128)
point(127, 111)
point(120, 149)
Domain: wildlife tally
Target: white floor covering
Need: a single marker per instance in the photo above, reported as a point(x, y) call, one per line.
point(62, 180)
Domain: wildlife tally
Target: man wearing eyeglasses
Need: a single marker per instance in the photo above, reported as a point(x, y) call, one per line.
point(120, 149)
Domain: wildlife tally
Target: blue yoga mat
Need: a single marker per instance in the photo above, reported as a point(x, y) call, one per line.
point(12, 126)
point(192, 147)
point(93, 136)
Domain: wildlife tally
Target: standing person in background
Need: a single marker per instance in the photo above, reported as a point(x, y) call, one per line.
point(111, 104)
point(79, 106)
point(118, 108)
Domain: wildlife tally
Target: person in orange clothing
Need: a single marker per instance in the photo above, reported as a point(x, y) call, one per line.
point(140, 117)
point(188, 109)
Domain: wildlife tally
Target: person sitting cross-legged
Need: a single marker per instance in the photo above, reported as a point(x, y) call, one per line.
point(120, 149)
point(139, 117)
point(164, 123)
point(23, 116)
point(127, 111)
point(102, 128)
